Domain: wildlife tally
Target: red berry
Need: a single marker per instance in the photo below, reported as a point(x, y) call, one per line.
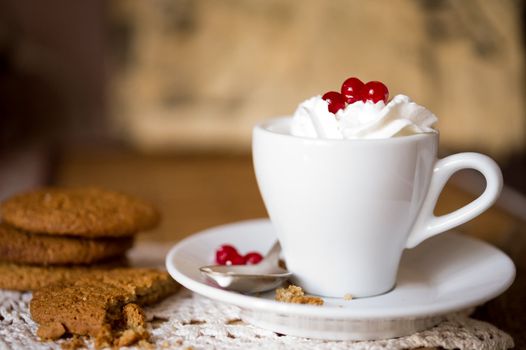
point(224, 253)
point(253, 258)
point(235, 259)
point(336, 101)
point(351, 89)
point(221, 257)
point(375, 91)
point(228, 248)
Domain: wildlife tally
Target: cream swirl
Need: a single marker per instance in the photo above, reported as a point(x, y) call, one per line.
point(362, 120)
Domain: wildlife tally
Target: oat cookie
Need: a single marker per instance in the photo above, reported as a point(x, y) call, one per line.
point(86, 212)
point(100, 304)
point(31, 277)
point(22, 247)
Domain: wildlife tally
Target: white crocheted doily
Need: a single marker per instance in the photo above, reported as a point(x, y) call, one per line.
point(187, 320)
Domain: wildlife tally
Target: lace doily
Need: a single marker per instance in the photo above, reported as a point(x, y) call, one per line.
point(187, 320)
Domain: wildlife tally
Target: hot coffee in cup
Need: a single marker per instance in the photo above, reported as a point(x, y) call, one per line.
point(348, 190)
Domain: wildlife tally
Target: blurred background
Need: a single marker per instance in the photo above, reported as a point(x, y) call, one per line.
point(158, 98)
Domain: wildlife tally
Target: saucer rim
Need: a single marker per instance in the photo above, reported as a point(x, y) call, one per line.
point(265, 305)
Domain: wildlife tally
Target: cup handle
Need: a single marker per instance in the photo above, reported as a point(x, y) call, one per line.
point(427, 224)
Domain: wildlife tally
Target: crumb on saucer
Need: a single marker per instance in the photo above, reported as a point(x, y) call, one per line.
point(296, 295)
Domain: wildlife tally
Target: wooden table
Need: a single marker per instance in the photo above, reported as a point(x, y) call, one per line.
point(200, 191)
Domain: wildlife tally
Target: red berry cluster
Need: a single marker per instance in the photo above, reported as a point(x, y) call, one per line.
point(354, 90)
point(228, 255)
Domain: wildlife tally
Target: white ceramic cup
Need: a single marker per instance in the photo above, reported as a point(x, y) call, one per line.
point(344, 210)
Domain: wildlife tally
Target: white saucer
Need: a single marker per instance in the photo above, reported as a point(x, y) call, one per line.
point(447, 273)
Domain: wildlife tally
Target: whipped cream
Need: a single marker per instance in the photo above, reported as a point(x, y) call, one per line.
point(362, 120)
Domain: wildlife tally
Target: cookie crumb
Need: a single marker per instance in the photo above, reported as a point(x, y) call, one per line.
point(74, 343)
point(235, 321)
point(347, 297)
point(134, 316)
point(51, 331)
point(296, 295)
point(135, 321)
point(104, 338)
point(131, 336)
point(145, 344)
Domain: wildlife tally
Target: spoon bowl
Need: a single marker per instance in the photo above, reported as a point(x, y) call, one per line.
point(249, 278)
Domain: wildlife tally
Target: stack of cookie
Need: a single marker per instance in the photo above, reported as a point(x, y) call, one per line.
point(82, 226)
point(66, 243)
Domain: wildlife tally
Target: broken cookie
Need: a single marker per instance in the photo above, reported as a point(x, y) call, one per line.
point(105, 306)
